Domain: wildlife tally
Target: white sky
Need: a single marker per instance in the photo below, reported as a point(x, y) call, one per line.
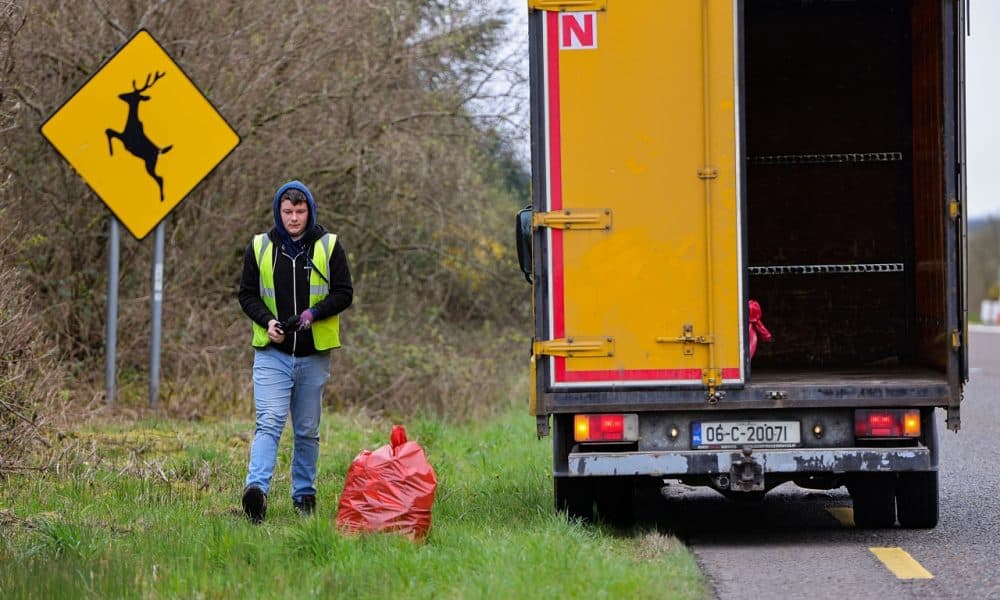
point(982, 103)
point(983, 120)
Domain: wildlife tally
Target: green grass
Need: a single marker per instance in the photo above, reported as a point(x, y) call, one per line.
point(151, 510)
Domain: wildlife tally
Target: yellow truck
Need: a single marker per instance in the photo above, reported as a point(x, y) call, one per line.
point(692, 156)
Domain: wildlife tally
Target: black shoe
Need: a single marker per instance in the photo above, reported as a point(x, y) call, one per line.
point(305, 506)
point(254, 503)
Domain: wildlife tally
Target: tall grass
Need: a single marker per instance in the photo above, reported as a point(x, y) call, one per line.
point(152, 510)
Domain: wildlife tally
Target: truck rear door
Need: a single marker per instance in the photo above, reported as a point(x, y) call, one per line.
point(639, 193)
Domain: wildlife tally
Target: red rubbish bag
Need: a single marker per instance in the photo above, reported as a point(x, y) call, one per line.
point(757, 328)
point(390, 489)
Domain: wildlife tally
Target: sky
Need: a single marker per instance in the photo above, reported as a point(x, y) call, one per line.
point(982, 101)
point(983, 119)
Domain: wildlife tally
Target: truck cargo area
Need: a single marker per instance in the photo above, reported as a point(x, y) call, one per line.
point(847, 219)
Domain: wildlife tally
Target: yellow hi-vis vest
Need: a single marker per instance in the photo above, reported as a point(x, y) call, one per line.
point(326, 332)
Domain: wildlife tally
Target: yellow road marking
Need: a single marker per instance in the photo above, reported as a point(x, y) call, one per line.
point(902, 565)
point(844, 514)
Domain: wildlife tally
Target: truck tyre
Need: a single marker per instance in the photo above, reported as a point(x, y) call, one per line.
point(874, 497)
point(574, 496)
point(917, 499)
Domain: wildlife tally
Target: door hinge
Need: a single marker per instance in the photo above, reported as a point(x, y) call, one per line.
point(954, 418)
point(577, 347)
point(708, 173)
point(574, 218)
point(956, 339)
point(954, 209)
point(687, 339)
point(568, 5)
point(711, 378)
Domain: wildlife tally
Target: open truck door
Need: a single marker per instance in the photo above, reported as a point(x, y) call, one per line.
point(637, 203)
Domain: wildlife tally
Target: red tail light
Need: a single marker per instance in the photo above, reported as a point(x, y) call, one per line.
point(606, 428)
point(886, 423)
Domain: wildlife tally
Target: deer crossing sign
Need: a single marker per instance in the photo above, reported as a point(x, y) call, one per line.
point(140, 134)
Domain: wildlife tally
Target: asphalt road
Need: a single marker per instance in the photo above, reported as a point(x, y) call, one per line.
point(802, 544)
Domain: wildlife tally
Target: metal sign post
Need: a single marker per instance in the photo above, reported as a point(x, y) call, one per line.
point(154, 352)
point(111, 326)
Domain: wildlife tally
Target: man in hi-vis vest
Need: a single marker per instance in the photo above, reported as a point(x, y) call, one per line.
point(296, 282)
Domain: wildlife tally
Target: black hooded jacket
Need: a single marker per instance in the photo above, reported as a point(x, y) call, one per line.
point(288, 303)
point(291, 281)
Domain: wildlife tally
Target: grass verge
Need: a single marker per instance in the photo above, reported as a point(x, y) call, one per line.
point(151, 510)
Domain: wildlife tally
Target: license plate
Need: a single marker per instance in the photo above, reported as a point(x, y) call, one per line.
point(734, 434)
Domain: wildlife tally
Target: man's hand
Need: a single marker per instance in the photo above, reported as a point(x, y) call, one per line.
point(306, 319)
point(274, 332)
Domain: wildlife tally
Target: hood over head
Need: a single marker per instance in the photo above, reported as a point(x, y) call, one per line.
point(291, 246)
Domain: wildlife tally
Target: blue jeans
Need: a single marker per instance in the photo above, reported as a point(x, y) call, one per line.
point(281, 384)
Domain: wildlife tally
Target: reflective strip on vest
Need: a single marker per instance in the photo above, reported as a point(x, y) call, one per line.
point(326, 332)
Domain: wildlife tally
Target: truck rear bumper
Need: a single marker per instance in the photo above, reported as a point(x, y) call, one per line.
point(714, 462)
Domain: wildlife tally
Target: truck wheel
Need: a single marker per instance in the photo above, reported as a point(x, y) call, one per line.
point(574, 497)
point(917, 499)
point(874, 499)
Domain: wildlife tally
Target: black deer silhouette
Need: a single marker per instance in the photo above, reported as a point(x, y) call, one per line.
point(133, 136)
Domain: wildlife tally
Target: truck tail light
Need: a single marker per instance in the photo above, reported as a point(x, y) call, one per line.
point(886, 423)
point(606, 428)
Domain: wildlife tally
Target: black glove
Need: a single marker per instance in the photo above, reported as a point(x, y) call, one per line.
point(291, 325)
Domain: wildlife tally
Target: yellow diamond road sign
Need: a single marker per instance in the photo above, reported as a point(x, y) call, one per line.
point(140, 134)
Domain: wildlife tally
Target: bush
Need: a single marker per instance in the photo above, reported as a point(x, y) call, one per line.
point(30, 377)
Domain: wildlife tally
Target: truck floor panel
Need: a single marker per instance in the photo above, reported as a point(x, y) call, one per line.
point(808, 388)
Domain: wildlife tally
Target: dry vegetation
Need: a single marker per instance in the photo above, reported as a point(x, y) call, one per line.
point(30, 376)
point(368, 101)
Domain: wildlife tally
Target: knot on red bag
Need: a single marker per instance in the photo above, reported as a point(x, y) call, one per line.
point(398, 437)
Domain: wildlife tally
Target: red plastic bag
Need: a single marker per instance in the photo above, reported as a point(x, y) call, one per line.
point(390, 489)
point(757, 327)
